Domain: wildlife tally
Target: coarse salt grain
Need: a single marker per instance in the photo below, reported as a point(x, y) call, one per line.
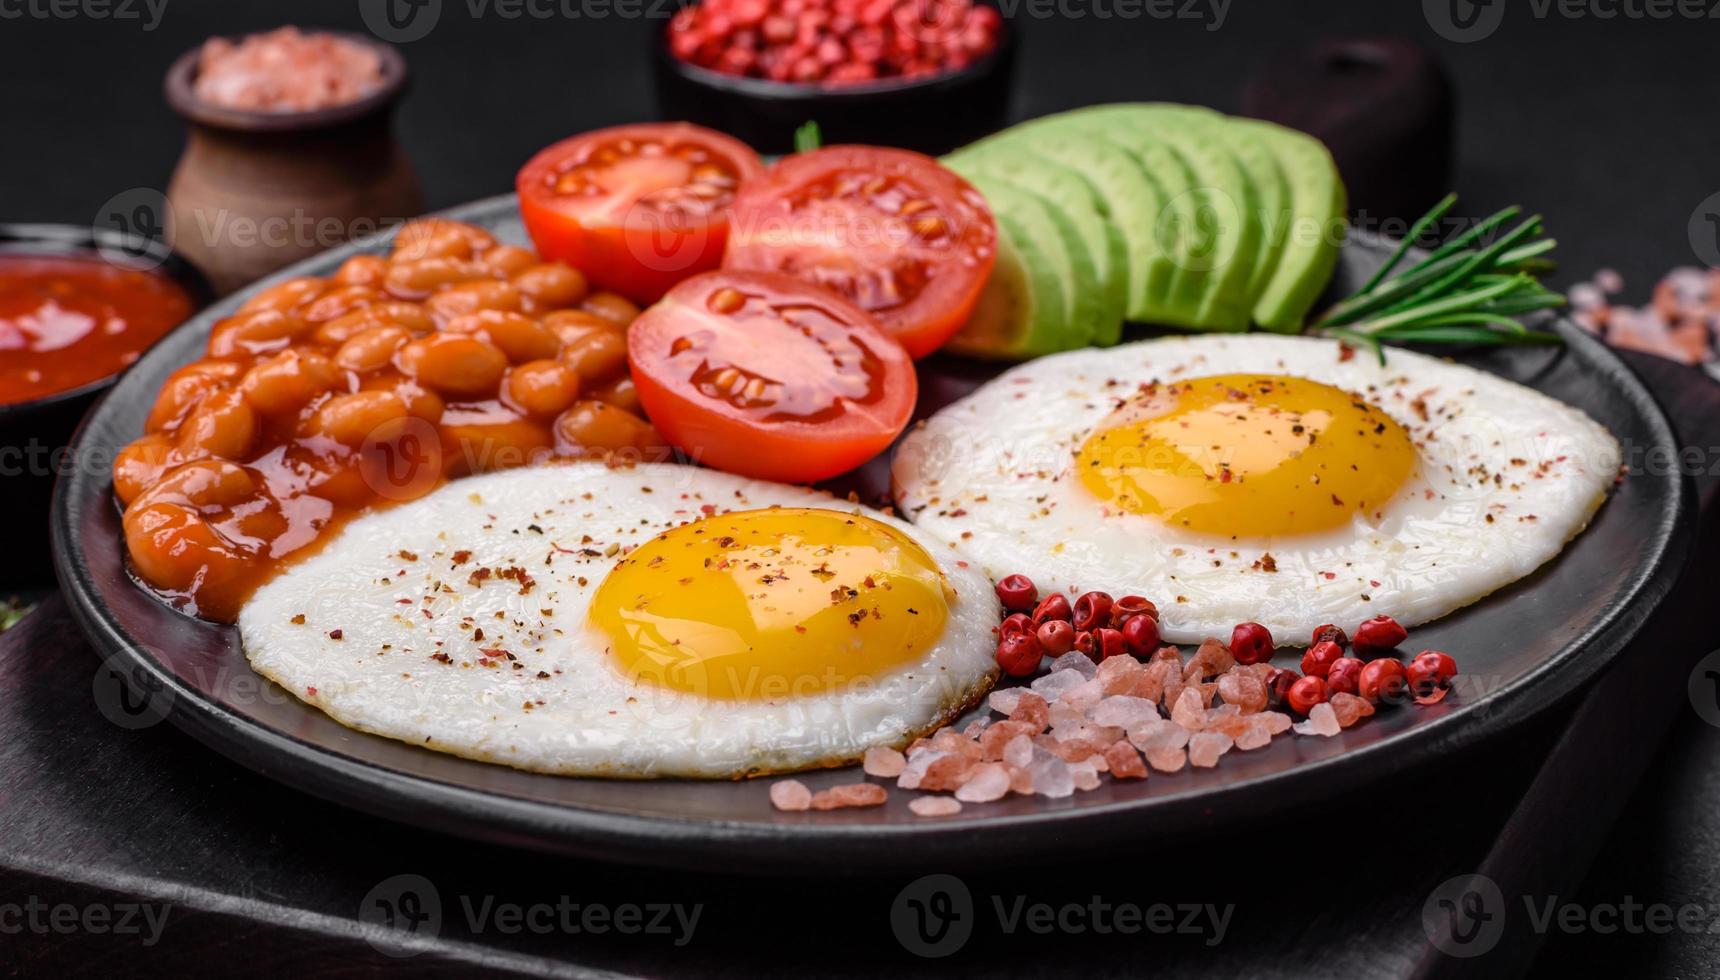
point(935, 806)
point(884, 762)
point(790, 794)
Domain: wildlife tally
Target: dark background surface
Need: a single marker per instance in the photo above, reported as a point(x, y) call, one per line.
point(1606, 126)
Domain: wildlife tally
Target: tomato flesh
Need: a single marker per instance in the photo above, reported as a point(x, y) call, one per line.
point(891, 230)
point(636, 208)
point(763, 375)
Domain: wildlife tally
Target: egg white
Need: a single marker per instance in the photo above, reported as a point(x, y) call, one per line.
point(360, 629)
point(1505, 476)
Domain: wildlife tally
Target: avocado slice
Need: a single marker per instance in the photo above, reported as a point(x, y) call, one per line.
point(1023, 310)
point(1128, 196)
point(1205, 224)
point(1314, 233)
point(1074, 205)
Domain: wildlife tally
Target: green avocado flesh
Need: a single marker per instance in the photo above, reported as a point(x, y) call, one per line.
point(1167, 214)
point(1085, 230)
point(1024, 310)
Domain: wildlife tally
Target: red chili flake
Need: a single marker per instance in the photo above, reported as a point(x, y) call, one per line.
point(460, 557)
point(299, 620)
point(407, 555)
point(335, 634)
point(311, 691)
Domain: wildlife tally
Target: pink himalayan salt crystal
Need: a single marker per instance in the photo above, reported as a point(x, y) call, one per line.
point(1065, 715)
point(1227, 719)
point(917, 746)
point(1350, 709)
point(1098, 762)
point(1021, 781)
point(1067, 749)
point(974, 729)
point(1189, 711)
point(1243, 689)
point(1053, 685)
point(950, 740)
point(1125, 762)
point(1122, 711)
point(1258, 671)
point(996, 738)
point(935, 806)
point(1158, 733)
point(1076, 661)
point(988, 781)
point(1276, 722)
point(790, 794)
point(1086, 775)
point(915, 771)
point(1173, 688)
point(1151, 685)
point(1099, 734)
point(1019, 752)
point(1322, 720)
point(1003, 702)
point(1253, 736)
point(1205, 748)
point(1213, 658)
point(1119, 675)
point(1052, 777)
point(1167, 653)
point(1166, 758)
point(851, 794)
point(1083, 696)
point(1033, 710)
point(946, 772)
point(881, 760)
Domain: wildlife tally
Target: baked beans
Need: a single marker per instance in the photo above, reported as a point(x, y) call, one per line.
point(322, 397)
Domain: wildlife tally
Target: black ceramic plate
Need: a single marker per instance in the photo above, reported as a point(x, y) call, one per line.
point(1521, 650)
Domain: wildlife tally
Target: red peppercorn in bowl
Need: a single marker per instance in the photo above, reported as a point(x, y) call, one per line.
point(928, 75)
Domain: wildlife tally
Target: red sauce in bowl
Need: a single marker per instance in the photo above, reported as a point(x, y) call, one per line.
point(67, 321)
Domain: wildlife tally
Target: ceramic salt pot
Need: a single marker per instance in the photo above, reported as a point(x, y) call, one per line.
point(257, 189)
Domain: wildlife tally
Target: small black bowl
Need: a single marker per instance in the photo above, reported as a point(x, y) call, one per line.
point(933, 115)
point(34, 434)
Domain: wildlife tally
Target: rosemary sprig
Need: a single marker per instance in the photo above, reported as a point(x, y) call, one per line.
point(1463, 292)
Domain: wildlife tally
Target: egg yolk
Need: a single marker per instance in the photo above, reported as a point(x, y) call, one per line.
point(1247, 455)
point(769, 604)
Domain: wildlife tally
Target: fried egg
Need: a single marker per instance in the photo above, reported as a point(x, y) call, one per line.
point(655, 621)
point(1280, 480)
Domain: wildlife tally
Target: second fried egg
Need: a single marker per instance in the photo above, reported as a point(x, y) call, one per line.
point(1278, 480)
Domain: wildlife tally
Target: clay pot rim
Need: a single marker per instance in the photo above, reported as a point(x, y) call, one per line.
point(182, 95)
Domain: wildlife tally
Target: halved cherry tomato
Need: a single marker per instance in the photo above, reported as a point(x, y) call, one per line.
point(893, 231)
point(636, 208)
point(763, 375)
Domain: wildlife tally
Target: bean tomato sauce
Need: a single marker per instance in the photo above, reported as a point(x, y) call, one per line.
point(66, 321)
point(320, 398)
